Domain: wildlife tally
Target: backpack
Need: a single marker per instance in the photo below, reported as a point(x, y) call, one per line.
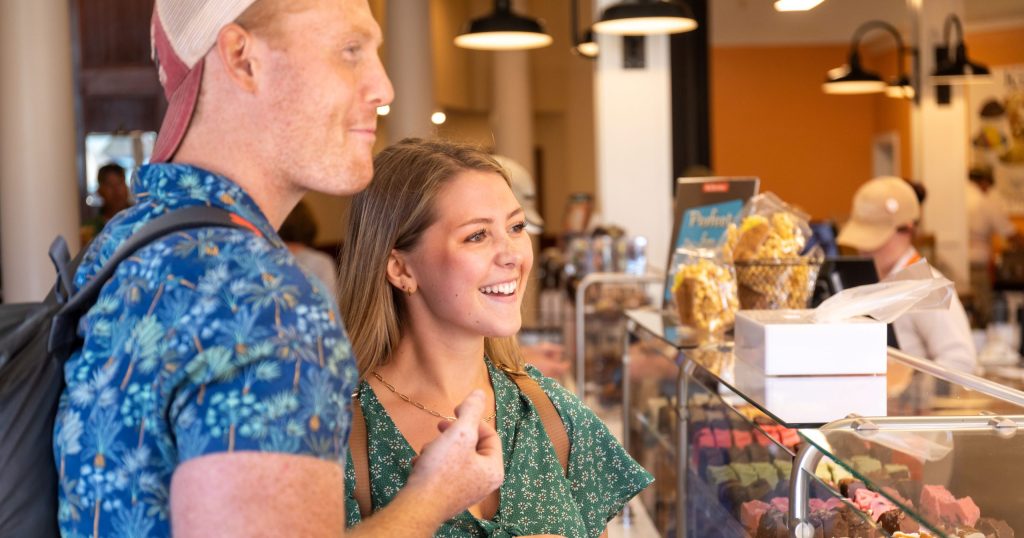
point(549, 418)
point(35, 341)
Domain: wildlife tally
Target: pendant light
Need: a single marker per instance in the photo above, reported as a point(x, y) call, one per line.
point(585, 46)
point(503, 30)
point(646, 17)
point(796, 5)
point(956, 68)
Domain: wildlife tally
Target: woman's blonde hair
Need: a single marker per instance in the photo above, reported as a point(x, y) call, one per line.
point(392, 213)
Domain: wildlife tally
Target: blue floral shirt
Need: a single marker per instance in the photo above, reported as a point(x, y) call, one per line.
point(208, 340)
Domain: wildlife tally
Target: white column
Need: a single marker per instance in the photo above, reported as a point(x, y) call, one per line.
point(38, 189)
point(633, 123)
point(512, 113)
point(940, 145)
point(409, 64)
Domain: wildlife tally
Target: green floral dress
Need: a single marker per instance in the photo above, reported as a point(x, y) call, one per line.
point(536, 498)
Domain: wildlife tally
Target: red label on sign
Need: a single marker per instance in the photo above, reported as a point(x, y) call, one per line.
point(716, 187)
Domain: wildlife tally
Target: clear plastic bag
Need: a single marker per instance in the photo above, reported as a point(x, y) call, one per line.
point(773, 271)
point(704, 289)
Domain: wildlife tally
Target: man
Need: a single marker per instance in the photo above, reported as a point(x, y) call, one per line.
point(882, 223)
point(211, 396)
point(986, 217)
point(113, 190)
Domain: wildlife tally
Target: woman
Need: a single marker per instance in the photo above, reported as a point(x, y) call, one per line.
point(436, 263)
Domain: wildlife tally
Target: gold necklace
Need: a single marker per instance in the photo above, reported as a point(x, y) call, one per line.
point(421, 406)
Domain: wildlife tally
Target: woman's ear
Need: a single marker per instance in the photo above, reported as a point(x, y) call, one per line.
point(399, 274)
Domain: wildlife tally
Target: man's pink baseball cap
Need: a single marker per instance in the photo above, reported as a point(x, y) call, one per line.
point(181, 33)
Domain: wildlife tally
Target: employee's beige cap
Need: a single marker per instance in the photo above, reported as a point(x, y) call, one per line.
point(880, 207)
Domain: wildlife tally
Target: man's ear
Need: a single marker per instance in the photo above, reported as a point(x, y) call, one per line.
point(236, 48)
point(399, 273)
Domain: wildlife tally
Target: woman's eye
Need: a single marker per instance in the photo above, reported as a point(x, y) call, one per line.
point(477, 237)
point(519, 226)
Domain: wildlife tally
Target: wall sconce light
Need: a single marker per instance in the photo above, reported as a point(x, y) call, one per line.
point(503, 30)
point(955, 67)
point(438, 118)
point(852, 79)
point(646, 17)
point(383, 110)
point(796, 5)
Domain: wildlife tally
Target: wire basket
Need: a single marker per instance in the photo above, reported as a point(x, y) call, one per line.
point(776, 284)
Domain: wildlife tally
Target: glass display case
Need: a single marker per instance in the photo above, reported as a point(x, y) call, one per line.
point(754, 455)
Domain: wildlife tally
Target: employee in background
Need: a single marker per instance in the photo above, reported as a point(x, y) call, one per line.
point(986, 217)
point(882, 224)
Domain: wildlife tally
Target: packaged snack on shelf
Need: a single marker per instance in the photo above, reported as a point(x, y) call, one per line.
point(773, 271)
point(704, 288)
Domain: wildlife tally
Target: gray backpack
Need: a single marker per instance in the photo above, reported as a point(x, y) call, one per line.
point(35, 341)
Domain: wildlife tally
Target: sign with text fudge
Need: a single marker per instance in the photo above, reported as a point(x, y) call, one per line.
point(704, 207)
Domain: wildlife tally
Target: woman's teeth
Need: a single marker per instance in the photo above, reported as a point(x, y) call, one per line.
point(508, 288)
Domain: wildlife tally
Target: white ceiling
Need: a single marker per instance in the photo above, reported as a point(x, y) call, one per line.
point(755, 22)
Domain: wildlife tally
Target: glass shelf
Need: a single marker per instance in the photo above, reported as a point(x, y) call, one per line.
point(911, 387)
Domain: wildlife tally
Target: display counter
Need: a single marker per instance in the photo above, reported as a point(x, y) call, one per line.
point(735, 453)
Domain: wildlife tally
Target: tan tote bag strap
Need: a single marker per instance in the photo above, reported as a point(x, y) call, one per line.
point(549, 417)
point(357, 444)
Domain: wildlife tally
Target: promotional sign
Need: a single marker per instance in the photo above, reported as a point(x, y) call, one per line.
point(704, 207)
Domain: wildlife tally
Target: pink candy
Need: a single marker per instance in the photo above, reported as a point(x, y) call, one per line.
point(872, 502)
point(938, 503)
point(751, 512)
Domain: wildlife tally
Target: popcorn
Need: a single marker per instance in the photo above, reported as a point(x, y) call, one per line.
point(705, 291)
point(766, 249)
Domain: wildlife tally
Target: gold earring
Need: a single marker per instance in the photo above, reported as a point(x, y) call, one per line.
point(409, 291)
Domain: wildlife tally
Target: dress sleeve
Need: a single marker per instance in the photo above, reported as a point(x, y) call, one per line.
point(264, 362)
point(602, 476)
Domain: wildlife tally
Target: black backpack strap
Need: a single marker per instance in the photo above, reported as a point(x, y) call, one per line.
point(63, 332)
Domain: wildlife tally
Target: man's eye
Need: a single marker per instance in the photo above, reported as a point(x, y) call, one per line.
point(352, 51)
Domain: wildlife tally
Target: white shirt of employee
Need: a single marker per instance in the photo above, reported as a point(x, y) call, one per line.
point(986, 216)
point(882, 222)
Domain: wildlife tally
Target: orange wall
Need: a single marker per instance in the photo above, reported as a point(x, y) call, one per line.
point(771, 119)
point(997, 47)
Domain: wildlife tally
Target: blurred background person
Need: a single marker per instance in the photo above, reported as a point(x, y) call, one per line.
point(113, 191)
point(299, 232)
point(986, 218)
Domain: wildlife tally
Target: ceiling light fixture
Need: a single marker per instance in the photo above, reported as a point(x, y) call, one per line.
point(796, 5)
point(852, 79)
point(646, 17)
point(956, 68)
point(585, 46)
point(503, 30)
